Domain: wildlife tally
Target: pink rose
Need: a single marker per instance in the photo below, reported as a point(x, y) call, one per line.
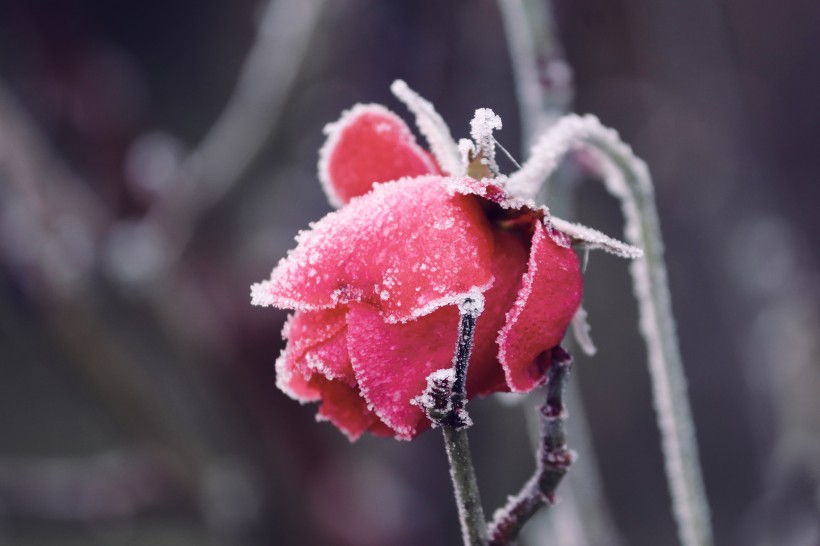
point(375, 285)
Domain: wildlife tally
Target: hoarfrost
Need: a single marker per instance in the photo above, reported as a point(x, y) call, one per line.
point(442, 379)
point(581, 332)
point(466, 150)
point(473, 304)
point(484, 122)
point(593, 239)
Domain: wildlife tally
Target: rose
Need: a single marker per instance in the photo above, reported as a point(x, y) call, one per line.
point(375, 285)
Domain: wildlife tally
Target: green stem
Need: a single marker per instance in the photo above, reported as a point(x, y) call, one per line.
point(470, 511)
point(443, 401)
point(627, 178)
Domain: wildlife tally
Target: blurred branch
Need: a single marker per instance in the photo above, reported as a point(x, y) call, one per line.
point(112, 485)
point(242, 128)
point(49, 220)
point(543, 79)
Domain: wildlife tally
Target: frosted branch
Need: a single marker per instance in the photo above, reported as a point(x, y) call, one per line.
point(627, 178)
point(433, 128)
point(552, 463)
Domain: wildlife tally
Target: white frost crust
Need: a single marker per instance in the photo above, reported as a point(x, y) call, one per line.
point(444, 376)
point(581, 332)
point(432, 126)
point(262, 296)
point(474, 292)
point(484, 122)
point(594, 239)
point(334, 132)
point(473, 304)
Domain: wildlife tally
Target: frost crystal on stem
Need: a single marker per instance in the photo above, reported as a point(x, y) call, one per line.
point(484, 122)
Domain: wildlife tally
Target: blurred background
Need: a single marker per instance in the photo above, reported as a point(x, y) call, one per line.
point(156, 158)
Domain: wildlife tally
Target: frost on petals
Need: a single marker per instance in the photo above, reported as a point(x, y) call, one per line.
point(368, 144)
point(547, 300)
point(392, 361)
point(406, 248)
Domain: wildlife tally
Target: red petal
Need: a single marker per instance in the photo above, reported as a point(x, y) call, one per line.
point(548, 298)
point(509, 265)
point(306, 329)
point(405, 248)
point(331, 359)
point(344, 406)
point(368, 144)
point(392, 361)
point(292, 381)
point(317, 345)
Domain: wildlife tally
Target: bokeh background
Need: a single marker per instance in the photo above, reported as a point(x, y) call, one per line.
point(156, 158)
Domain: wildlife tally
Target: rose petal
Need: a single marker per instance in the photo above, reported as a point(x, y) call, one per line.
point(344, 406)
point(331, 359)
point(548, 298)
point(306, 329)
point(509, 265)
point(406, 248)
point(368, 144)
point(392, 361)
point(293, 382)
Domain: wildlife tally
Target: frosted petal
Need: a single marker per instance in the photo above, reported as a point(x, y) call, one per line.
point(549, 295)
point(343, 406)
point(306, 329)
point(407, 248)
point(368, 144)
point(317, 347)
point(484, 374)
point(292, 382)
point(331, 360)
point(392, 361)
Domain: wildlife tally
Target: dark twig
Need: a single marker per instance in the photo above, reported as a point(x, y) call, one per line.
point(552, 463)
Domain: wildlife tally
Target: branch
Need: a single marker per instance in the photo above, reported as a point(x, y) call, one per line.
point(240, 131)
point(552, 462)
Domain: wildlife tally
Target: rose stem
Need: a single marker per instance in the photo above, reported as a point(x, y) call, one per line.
point(552, 461)
point(627, 178)
point(454, 428)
